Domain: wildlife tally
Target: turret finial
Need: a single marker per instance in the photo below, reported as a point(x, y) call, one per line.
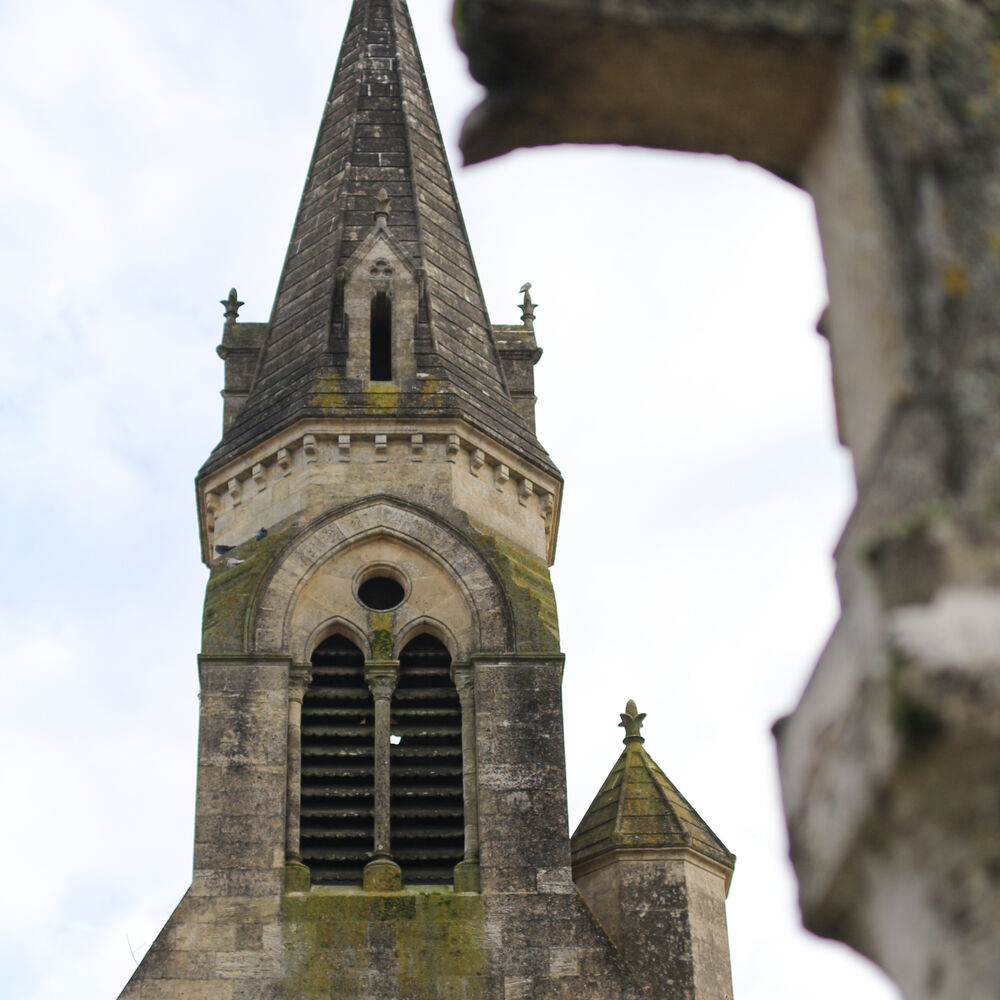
point(528, 307)
point(232, 305)
point(632, 723)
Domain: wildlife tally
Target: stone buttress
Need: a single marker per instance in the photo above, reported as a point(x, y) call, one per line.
point(381, 804)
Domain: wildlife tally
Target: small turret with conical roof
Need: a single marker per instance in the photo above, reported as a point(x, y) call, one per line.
point(641, 848)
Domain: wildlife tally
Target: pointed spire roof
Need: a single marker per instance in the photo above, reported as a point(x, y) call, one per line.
point(379, 137)
point(639, 807)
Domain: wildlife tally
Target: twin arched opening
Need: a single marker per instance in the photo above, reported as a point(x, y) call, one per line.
point(411, 796)
point(339, 750)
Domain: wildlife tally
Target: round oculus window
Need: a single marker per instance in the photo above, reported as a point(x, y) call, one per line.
point(381, 593)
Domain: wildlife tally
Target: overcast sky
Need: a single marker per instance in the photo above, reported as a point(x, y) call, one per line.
point(153, 157)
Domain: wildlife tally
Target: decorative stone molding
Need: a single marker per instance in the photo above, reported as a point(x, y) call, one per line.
point(325, 448)
point(259, 477)
point(546, 504)
point(381, 678)
point(275, 624)
point(211, 510)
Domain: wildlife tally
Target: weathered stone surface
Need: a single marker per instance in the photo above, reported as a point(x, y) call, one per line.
point(888, 112)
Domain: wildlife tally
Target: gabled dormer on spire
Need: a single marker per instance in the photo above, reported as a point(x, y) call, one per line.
point(379, 283)
point(379, 306)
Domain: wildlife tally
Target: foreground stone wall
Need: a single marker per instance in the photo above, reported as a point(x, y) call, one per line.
point(888, 112)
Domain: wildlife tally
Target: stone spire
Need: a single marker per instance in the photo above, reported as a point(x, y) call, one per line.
point(379, 169)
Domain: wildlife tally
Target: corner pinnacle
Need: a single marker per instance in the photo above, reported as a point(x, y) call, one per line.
point(528, 307)
point(632, 724)
point(232, 305)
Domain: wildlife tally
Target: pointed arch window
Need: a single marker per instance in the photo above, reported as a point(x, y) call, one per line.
point(380, 346)
point(427, 806)
point(339, 811)
point(338, 766)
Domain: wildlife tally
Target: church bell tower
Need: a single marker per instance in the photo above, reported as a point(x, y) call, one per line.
point(381, 804)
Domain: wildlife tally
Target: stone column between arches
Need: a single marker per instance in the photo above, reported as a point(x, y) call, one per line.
point(296, 873)
point(382, 874)
point(467, 874)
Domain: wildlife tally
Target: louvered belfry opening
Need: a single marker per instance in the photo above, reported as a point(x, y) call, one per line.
point(338, 765)
point(428, 827)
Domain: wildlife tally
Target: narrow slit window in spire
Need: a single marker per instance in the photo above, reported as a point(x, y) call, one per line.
point(381, 338)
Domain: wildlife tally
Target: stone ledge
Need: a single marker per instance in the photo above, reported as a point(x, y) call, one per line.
point(299, 454)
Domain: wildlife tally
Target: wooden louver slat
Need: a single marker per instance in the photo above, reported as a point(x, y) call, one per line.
point(337, 765)
point(428, 832)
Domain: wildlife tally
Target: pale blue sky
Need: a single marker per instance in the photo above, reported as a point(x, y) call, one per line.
point(153, 158)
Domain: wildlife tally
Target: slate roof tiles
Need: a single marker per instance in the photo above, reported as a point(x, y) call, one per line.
point(379, 130)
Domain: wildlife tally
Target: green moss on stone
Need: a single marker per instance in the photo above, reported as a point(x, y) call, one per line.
point(919, 725)
point(380, 627)
point(230, 592)
point(381, 397)
point(329, 393)
point(432, 393)
point(528, 586)
point(912, 526)
point(430, 943)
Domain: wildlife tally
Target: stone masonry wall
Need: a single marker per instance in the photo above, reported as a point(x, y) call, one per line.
point(238, 935)
point(544, 940)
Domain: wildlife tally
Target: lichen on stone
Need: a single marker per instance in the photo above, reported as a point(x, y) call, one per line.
point(230, 592)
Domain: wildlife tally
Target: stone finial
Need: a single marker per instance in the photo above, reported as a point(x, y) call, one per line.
point(382, 206)
point(232, 305)
point(632, 724)
point(527, 307)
